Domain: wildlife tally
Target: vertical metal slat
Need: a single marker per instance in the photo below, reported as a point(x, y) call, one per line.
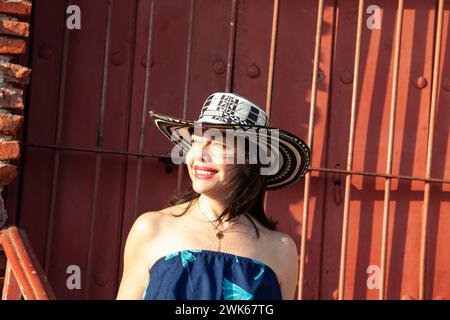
point(433, 105)
point(273, 39)
point(387, 188)
point(350, 151)
point(186, 83)
point(312, 109)
point(144, 109)
point(55, 174)
point(231, 46)
point(98, 156)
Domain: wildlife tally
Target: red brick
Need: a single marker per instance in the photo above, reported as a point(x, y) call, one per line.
point(8, 173)
point(9, 150)
point(15, 73)
point(14, 28)
point(10, 124)
point(12, 46)
point(16, 7)
point(11, 98)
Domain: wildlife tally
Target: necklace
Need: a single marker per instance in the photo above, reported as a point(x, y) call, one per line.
point(220, 233)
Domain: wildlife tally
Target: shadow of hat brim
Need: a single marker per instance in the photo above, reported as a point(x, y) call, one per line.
point(294, 153)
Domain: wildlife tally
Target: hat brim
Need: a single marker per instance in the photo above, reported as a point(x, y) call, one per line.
point(294, 153)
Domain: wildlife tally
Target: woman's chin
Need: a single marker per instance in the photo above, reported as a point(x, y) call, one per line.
point(204, 187)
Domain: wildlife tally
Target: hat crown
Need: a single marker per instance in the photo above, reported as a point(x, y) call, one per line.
point(230, 108)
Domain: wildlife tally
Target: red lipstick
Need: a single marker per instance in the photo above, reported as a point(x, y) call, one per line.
point(204, 172)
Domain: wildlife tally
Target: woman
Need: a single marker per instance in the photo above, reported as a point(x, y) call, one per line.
point(215, 241)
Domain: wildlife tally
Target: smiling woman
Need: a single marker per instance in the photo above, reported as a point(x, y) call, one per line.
point(241, 187)
point(215, 240)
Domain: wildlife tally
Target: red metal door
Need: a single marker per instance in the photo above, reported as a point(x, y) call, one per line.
point(91, 155)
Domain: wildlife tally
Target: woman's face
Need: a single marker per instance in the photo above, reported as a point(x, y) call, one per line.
point(209, 162)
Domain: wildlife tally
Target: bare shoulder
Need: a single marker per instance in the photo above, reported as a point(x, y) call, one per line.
point(145, 226)
point(149, 224)
point(154, 219)
point(281, 244)
point(286, 257)
point(284, 245)
point(147, 233)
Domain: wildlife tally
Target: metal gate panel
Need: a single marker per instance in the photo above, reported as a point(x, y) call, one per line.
point(92, 114)
point(104, 252)
point(371, 137)
point(45, 94)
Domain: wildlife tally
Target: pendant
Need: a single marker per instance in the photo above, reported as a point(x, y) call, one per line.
point(219, 235)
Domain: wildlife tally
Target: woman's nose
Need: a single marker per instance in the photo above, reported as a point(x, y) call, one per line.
point(199, 156)
point(200, 151)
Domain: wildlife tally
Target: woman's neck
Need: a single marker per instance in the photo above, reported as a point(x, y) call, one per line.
point(210, 207)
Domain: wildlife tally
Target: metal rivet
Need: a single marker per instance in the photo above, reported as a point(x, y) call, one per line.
point(117, 58)
point(219, 67)
point(45, 51)
point(168, 169)
point(101, 279)
point(253, 71)
point(446, 84)
point(420, 82)
point(346, 77)
point(407, 297)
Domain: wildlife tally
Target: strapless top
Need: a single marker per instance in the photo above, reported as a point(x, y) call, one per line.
point(210, 275)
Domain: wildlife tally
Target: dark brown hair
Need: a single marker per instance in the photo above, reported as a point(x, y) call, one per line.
point(247, 197)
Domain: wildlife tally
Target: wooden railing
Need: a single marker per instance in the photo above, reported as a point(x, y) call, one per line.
point(24, 277)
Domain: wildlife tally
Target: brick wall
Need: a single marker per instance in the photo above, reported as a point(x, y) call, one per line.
point(13, 80)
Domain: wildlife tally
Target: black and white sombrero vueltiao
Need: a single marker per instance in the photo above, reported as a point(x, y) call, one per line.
point(226, 111)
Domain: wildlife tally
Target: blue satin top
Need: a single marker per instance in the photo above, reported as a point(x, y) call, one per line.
point(211, 275)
